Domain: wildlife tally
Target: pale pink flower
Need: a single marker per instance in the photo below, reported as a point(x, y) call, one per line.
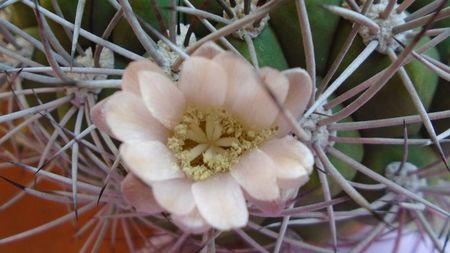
point(212, 144)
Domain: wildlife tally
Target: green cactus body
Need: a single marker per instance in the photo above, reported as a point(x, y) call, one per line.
point(440, 100)
point(211, 6)
point(378, 157)
point(393, 100)
point(443, 47)
point(18, 12)
point(267, 49)
point(68, 9)
point(39, 57)
point(91, 20)
point(284, 22)
point(313, 188)
point(123, 34)
point(100, 14)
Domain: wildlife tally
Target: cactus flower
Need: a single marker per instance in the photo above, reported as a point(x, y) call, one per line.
point(206, 148)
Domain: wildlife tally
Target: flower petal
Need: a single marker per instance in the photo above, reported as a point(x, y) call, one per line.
point(220, 201)
point(98, 117)
point(192, 222)
point(130, 81)
point(274, 207)
point(128, 119)
point(300, 91)
point(203, 82)
point(139, 195)
point(174, 195)
point(162, 98)
point(293, 159)
point(208, 50)
point(256, 173)
point(247, 97)
point(159, 243)
point(276, 81)
point(150, 161)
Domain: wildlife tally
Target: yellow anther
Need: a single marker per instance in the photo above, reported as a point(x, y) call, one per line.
point(210, 142)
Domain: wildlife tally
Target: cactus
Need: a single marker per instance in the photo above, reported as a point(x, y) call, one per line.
point(376, 120)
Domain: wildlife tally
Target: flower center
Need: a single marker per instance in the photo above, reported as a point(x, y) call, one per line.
point(210, 142)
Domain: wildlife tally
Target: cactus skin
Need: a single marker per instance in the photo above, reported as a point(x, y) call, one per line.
point(39, 57)
point(18, 11)
point(124, 36)
point(378, 157)
point(393, 100)
point(211, 6)
point(91, 21)
point(284, 22)
point(444, 46)
point(440, 100)
point(313, 188)
point(267, 49)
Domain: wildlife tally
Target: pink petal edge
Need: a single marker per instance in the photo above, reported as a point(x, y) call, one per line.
point(139, 195)
point(221, 202)
point(130, 82)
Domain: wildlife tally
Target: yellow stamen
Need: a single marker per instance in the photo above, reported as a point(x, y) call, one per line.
point(210, 142)
point(196, 151)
